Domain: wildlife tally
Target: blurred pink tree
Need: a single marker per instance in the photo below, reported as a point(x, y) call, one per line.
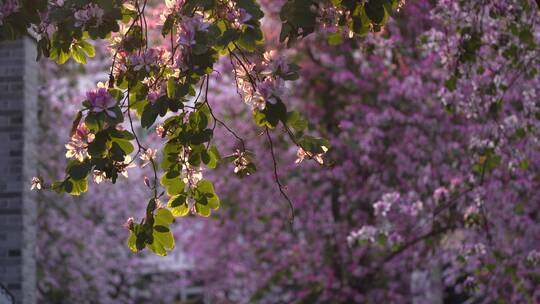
point(431, 115)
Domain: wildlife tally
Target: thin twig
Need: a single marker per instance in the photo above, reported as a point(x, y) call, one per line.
point(276, 176)
point(140, 147)
point(233, 133)
point(409, 244)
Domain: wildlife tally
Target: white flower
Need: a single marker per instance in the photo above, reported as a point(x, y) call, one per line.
point(160, 130)
point(301, 154)
point(366, 233)
point(77, 147)
point(98, 176)
point(36, 183)
point(383, 206)
point(241, 162)
point(129, 223)
point(534, 257)
point(126, 164)
point(192, 175)
point(479, 249)
point(147, 156)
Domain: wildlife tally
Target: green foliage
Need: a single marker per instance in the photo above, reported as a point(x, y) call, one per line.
point(272, 114)
point(314, 145)
point(205, 198)
point(184, 116)
point(154, 234)
point(295, 121)
point(299, 17)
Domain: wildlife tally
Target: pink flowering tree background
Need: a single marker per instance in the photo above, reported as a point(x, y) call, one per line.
point(407, 174)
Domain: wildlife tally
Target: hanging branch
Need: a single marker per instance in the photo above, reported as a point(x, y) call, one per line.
point(276, 176)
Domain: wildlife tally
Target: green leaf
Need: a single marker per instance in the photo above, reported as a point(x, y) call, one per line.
point(248, 170)
point(210, 157)
point(172, 182)
point(98, 146)
point(295, 121)
point(149, 116)
point(163, 216)
point(178, 205)
point(206, 194)
point(78, 55)
point(168, 25)
point(470, 46)
point(121, 134)
point(164, 237)
point(171, 85)
point(170, 158)
point(157, 248)
point(78, 170)
point(360, 21)
point(160, 228)
point(271, 115)
point(251, 7)
point(198, 120)
point(116, 152)
point(58, 187)
point(202, 210)
point(375, 11)
point(228, 36)
point(297, 14)
point(126, 146)
point(335, 38)
point(76, 187)
point(314, 145)
point(62, 57)
point(132, 242)
point(87, 48)
point(250, 39)
point(116, 94)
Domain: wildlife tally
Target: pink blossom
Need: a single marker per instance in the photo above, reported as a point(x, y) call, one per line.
point(91, 14)
point(100, 100)
point(189, 27)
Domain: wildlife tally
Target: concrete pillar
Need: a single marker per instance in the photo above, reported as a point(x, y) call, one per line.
point(18, 133)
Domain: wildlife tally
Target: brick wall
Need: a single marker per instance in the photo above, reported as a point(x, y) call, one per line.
point(18, 132)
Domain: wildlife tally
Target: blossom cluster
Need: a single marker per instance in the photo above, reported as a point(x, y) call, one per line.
point(91, 15)
point(261, 83)
point(77, 147)
point(101, 101)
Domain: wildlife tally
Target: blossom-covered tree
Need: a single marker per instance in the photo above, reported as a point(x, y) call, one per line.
point(431, 117)
point(431, 170)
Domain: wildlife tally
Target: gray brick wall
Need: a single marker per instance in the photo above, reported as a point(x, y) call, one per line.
point(18, 133)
